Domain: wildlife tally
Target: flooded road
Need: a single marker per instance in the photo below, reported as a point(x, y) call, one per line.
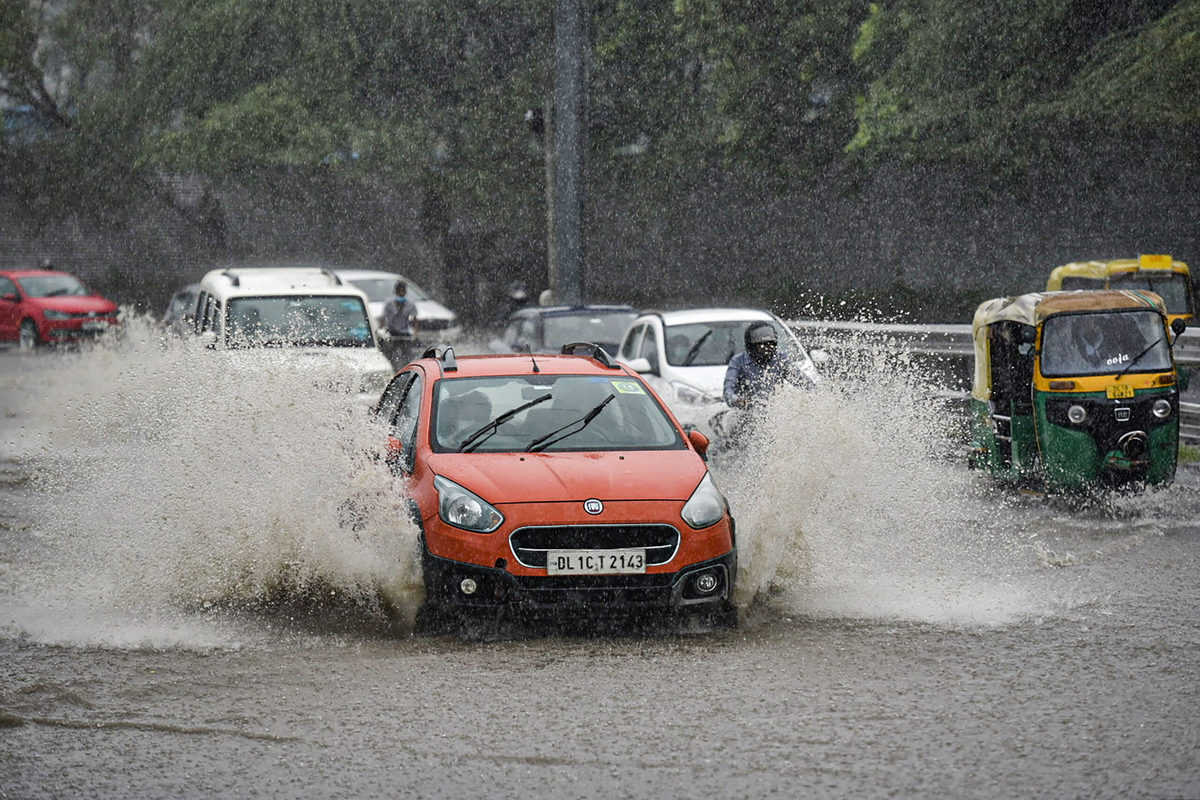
point(182, 616)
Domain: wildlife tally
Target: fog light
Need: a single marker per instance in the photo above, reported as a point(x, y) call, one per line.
point(468, 586)
point(1076, 414)
point(706, 583)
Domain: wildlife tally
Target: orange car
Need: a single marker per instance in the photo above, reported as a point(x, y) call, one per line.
point(556, 482)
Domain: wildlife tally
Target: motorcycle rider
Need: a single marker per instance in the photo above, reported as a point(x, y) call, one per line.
point(754, 372)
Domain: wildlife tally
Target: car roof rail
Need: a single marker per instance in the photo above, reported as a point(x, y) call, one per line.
point(233, 277)
point(449, 363)
point(592, 349)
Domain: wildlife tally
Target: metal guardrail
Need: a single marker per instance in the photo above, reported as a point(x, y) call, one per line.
point(955, 341)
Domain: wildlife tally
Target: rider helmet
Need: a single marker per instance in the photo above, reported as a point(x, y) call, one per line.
point(761, 341)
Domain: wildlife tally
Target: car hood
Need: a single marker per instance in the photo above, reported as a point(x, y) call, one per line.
point(710, 380)
point(350, 359)
point(75, 304)
point(502, 478)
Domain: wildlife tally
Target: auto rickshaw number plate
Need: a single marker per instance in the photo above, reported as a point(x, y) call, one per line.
point(1116, 391)
point(596, 562)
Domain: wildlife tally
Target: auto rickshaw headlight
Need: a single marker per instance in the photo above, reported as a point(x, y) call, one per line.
point(1077, 414)
point(1161, 408)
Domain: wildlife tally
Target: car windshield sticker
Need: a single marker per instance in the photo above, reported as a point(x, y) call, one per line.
point(628, 387)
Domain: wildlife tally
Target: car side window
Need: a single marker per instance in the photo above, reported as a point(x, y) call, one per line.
point(629, 347)
point(404, 421)
point(649, 348)
point(392, 396)
point(7, 287)
point(201, 310)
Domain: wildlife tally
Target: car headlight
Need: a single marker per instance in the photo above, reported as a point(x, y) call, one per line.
point(465, 509)
point(706, 506)
point(686, 393)
point(52, 314)
point(1161, 408)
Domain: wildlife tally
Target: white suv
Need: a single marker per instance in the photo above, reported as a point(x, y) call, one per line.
point(297, 317)
point(684, 354)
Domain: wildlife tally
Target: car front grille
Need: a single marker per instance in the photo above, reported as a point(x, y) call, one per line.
point(530, 545)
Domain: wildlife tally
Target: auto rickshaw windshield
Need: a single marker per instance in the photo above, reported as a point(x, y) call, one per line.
point(1171, 286)
point(1104, 342)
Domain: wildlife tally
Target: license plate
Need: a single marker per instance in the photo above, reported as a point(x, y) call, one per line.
point(1116, 391)
point(596, 562)
point(95, 326)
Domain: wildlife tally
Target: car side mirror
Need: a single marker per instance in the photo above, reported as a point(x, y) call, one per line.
point(1178, 325)
point(641, 365)
point(699, 441)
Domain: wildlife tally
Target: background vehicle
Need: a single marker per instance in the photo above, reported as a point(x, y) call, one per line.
point(1161, 274)
point(435, 322)
point(39, 306)
point(304, 317)
point(545, 329)
point(181, 309)
point(556, 484)
point(684, 354)
point(1075, 389)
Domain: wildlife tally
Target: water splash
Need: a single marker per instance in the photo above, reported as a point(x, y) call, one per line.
point(854, 503)
point(169, 480)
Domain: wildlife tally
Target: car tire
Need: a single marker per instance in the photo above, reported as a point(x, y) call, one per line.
point(27, 339)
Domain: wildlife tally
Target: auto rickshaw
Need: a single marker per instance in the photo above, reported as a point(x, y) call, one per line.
point(1161, 274)
point(1075, 390)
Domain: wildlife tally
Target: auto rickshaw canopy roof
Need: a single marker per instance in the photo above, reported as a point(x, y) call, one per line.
point(1103, 270)
point(1034, 308)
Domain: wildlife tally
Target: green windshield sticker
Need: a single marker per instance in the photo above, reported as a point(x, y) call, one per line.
point(628, 387)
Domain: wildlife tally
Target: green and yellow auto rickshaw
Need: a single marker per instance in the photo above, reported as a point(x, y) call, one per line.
point(1075, 389)
point(1161, 274)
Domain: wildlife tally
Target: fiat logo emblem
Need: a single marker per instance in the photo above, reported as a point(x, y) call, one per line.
point(593, 506)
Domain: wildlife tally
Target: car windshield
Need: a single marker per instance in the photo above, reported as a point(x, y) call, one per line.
point(1104, 342)
point(604, 328)
point(312, 320)
point(632, 420)
point(712, 344)
point(52, 286)
point(1171, 286)
point(380, 290)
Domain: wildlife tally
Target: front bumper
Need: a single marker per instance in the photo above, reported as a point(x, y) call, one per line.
point(74, 330)
point(495, 588)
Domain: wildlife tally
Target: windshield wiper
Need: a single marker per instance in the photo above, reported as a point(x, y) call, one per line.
point(541, 443)
point(692, 353)
point(1134, 360)
point(478, 437)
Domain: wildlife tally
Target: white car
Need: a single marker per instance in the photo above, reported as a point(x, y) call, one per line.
point(683, 355)
point(302, 318)
point(435, 322)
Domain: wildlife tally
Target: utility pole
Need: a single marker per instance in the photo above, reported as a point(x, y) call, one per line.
point(570, 139)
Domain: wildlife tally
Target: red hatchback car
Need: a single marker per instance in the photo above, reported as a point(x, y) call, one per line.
point(45, 306)
point(556, 483)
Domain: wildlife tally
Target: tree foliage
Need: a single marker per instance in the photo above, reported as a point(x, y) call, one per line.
point(992, 84)
point(435, 91)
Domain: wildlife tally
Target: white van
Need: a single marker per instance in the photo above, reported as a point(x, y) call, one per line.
point(298, 317)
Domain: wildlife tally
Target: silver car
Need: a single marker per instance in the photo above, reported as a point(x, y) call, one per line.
point(435, 322)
